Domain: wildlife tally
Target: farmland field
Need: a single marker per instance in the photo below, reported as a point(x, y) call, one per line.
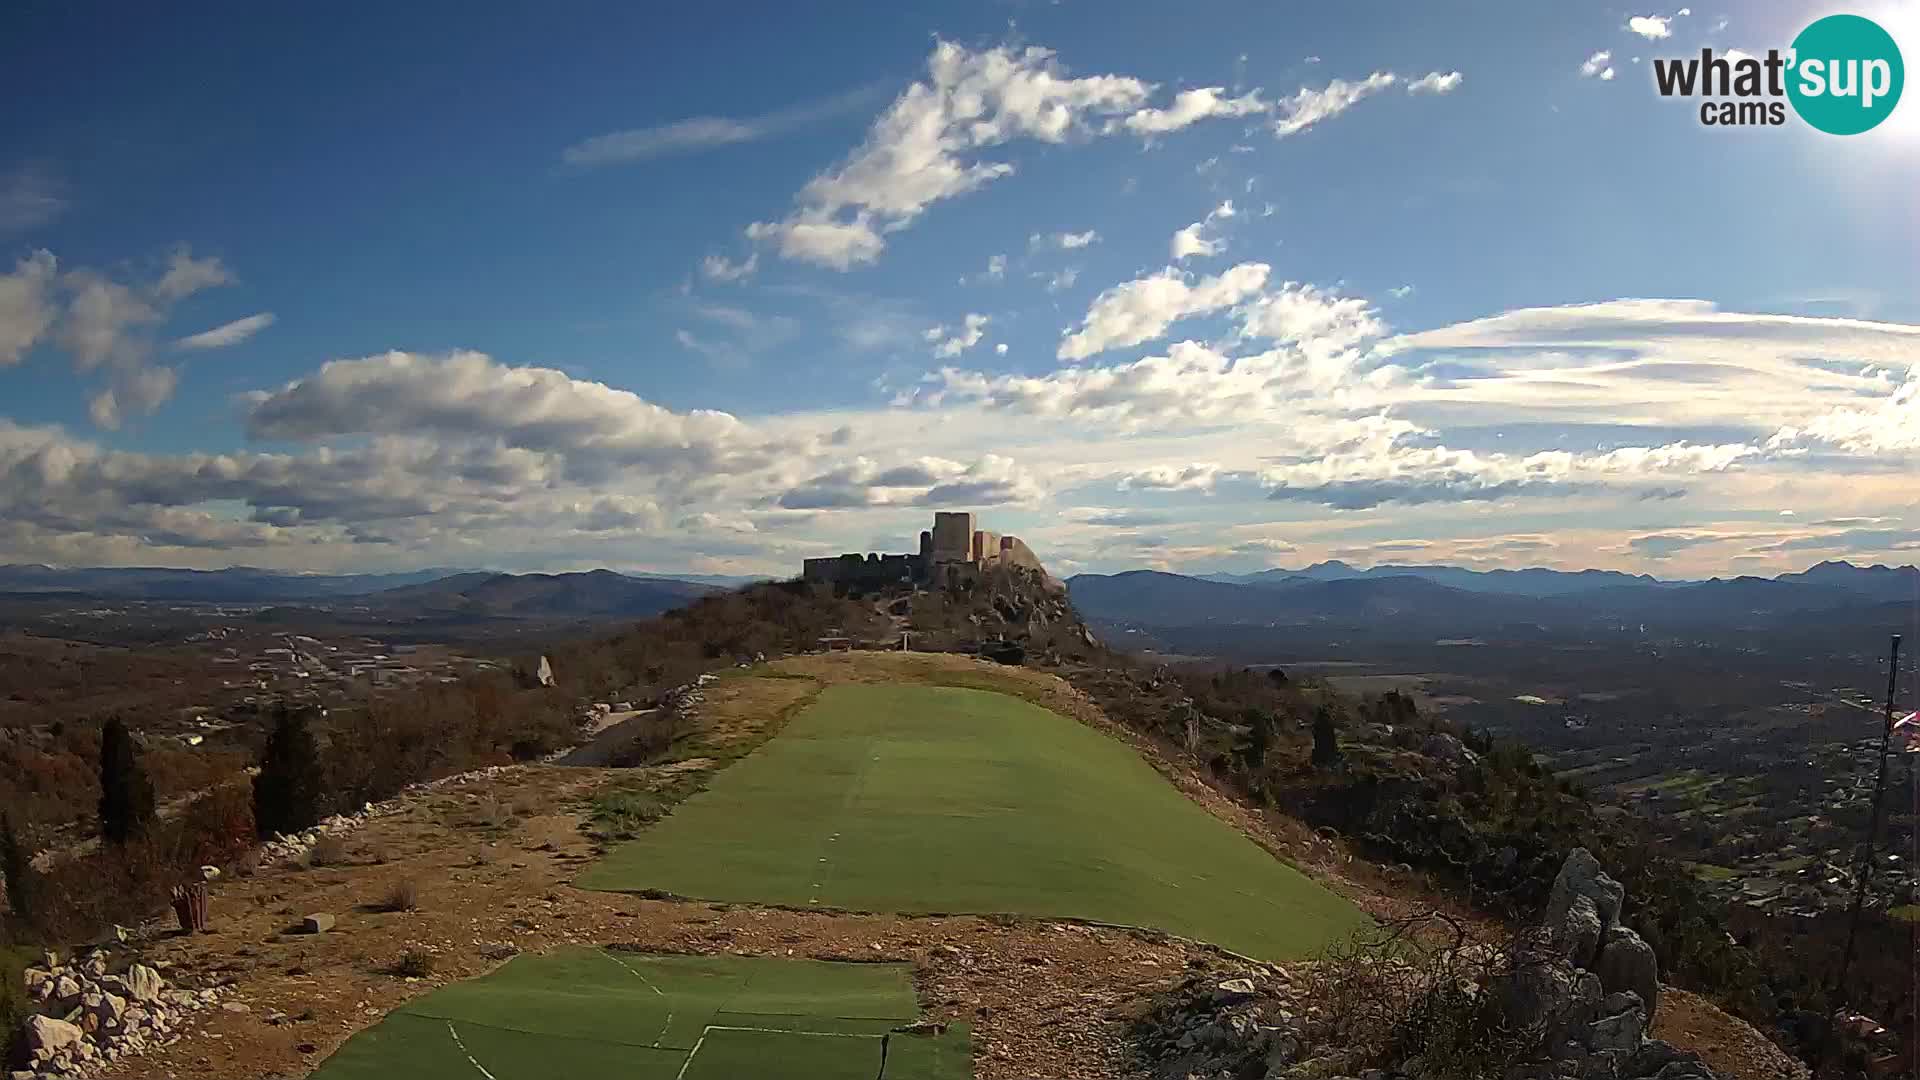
point(941, 800)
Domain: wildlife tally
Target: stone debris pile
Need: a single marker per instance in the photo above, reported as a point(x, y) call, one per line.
point(99, 1009)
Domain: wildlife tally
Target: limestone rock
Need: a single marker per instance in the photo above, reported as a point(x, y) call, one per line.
point(44, 1033)
point(1579, 876)
point(1627, 963)
point(317, 923)
point(1576, 936)
point(143, 983)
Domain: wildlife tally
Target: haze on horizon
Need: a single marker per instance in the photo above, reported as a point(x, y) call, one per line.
point(666, 291)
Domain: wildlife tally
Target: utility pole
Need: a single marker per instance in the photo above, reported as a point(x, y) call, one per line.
point(1863, 863)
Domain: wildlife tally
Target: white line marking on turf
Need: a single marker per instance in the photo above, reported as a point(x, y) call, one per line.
point(663, 1027)
point(697, 1043)
point(468, 1054)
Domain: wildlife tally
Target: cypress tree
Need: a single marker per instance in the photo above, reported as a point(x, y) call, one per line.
point(287, 795)
point(126, 793)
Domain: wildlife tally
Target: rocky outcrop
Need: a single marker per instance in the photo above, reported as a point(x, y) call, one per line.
point(1577, 995)
point(97, 1010)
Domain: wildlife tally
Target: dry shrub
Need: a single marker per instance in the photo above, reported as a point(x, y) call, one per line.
point(412, 964)
point(329, 850)
point(495, 813)
point(404, 896)
point(77, 898)
point(1416, 987)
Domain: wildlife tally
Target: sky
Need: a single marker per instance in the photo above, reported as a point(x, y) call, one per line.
point(355, 288)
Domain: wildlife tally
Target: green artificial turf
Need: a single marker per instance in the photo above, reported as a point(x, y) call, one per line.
point(936, 799)
point(594, 1014)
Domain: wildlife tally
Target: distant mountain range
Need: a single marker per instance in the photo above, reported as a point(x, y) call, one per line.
point(1438, 598)
point(594, 593)
point(432, 591)
point(237, 585)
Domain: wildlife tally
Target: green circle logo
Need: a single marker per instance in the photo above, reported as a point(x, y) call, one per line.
point(1846, 74)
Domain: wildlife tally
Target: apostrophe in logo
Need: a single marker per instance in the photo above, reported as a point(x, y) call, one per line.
point(1846, 76)
point(1843, 75)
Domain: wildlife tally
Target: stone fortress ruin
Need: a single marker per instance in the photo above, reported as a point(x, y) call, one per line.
point(954, 552)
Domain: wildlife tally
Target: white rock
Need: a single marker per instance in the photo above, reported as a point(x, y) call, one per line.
point(44, 1033)
point(144, 983)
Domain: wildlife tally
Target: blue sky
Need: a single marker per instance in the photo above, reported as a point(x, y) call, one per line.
point(694, 290)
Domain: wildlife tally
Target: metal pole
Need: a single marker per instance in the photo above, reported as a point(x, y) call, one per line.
point(1863, 863)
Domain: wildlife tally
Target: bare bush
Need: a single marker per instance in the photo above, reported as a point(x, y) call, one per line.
point(1418, 987)
point(328, 851)
point(404, 896)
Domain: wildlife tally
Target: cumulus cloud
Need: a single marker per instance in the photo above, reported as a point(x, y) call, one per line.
point(105, 325)
point(27, 306)
point(470, 395)
point(990, 480)
point(227, 334)
point(1192, 106)
point(1435, 82)
point(1199, 476)
point(1143, 309)
point(1308, 107)
point(1651, 27)
point(950, 342)
point(1598, 66)
point(1196, 239)
point(1889, 426)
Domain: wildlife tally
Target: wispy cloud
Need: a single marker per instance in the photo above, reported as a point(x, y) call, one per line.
point(232, 333)
point(30, 196)
point(699, 133)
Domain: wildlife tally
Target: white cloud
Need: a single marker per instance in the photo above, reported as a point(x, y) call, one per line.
point(1071, 241)
point(1059, 280)
point(1651, 27)
point(1199, 476)
point(1434, 82)
point(996, 266)
point(928, 145)
point(1889, 426)
point(186, 275)
point(699, 133)
point(27, 306)
point(923, 148)
point(720, 268)
point(470, 395)
point(1192, 106)
point(949, 343)
point(1193, 240)
point(1142, 309)
point(990, 480)
point(227, 334)
point(1400, 292)
point(1000, 349)
point(1306, 108)
point(1598, 66)
point(814, 236)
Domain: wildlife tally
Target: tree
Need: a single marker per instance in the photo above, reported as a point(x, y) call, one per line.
point(14, 864)
point(1260, 739)
point(1326, 739)
point(288, 793)
point(126, 792)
